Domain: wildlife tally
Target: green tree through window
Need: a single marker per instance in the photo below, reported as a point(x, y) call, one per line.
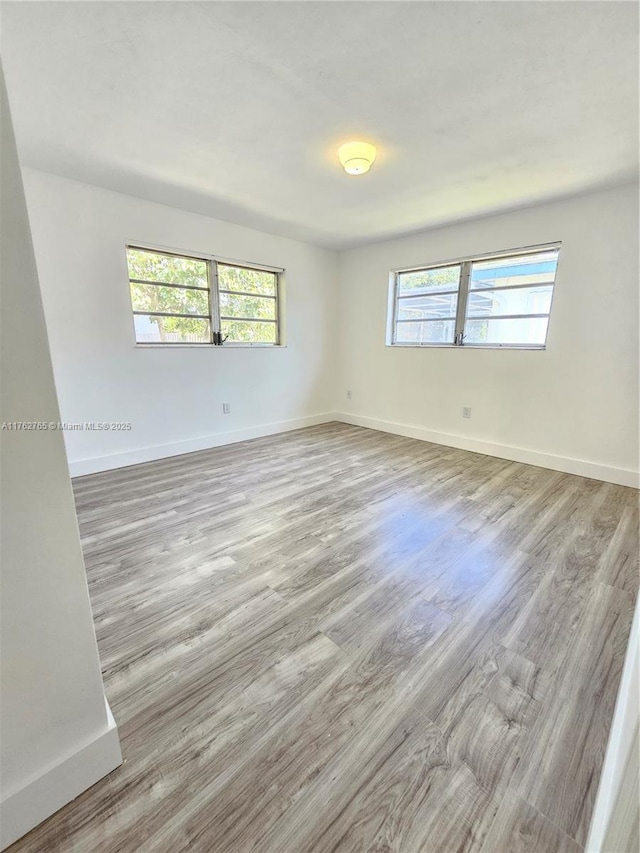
point(172, 300)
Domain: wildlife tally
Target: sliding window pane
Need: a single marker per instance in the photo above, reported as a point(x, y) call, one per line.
point(429, 332)
point(428, 281)
point(171, 330)
point(527, 331)
point(432, 307)
point(248, 332)
point(246, 280)
point(155, 266)
point(521, 300)
point(531, 269)
point(256, 307)
point(170, 300)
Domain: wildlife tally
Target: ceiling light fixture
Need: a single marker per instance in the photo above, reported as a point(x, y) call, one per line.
point(356, 157)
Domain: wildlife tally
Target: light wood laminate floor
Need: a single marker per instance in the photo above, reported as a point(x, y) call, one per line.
point(342, 640)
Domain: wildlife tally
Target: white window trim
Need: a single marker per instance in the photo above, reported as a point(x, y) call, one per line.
point(463, 294)
point(214, 308)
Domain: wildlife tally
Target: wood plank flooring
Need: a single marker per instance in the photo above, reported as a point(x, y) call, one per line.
point(342, 640)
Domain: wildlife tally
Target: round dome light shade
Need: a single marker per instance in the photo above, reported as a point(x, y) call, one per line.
point(356, 157)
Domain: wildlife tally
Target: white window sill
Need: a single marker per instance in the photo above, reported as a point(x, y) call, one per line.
point(209, 346)
point(467, 346)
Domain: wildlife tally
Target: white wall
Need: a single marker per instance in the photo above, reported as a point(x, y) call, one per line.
point(173, 397)
point(57, 736)
point(573, 407)
point(615, 813)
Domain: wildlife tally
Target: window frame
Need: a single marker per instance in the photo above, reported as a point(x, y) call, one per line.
point(463, 292)
point(213, 292)
point(275, 297)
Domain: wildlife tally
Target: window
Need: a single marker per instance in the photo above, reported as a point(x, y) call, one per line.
point(248, 304)
point(182, 299)
point(497, 301)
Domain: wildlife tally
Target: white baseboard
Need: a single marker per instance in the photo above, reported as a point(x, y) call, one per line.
point(596, 471)
point(80, 467)
point(22, 810)
point(620, 476)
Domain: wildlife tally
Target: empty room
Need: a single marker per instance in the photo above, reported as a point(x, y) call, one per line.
point(319, 427)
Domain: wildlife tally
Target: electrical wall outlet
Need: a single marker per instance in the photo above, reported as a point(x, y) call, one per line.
point(349, 395)
point(226, 408)
point(466, 411)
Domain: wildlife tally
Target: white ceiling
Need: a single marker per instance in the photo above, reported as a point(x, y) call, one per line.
point(236, 109)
